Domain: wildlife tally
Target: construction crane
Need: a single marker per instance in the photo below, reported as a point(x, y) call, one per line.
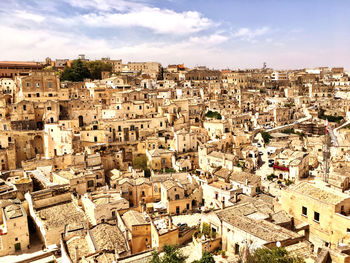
point(326, 153)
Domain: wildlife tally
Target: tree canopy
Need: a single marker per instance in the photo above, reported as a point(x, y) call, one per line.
point(207, 257)
point(140, 162)
point(213, 114)
point(172, 254)
point(80, 70)
point(266, 136)
point(96, 68)
point(274, 255)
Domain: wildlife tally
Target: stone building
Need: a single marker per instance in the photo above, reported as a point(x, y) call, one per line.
point(14, 232)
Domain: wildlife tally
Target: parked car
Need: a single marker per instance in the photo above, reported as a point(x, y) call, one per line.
point(182, 225)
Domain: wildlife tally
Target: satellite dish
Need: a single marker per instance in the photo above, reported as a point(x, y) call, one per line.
point(278, 244)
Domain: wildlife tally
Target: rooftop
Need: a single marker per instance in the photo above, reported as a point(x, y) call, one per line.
point(238, 217)
point(243, 177)
point(320, 192)
point(80, 243)
point(60, 215)
point(108, 237)
point(13, 211)
point(132, 218)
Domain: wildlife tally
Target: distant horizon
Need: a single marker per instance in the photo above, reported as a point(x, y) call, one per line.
point(227, 34)
point(165, 65)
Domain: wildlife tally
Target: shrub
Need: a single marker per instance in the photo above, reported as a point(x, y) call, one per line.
point(271, 177)
point(214, 115)
point(206, 229)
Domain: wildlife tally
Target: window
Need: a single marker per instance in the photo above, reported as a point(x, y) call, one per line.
point(113, 213)
point(48, 108)
point(38, 95)
point(50, 86)
point(29, 95)
point(90, 183)
point(50, 94)
point(28, 84)
point(304, 211)
point(143, 193)
point(24, 107)
point(177, 197)
point(317, 217)
point(37, 84)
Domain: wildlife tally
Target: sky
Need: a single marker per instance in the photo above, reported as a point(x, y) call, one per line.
point(235, 34)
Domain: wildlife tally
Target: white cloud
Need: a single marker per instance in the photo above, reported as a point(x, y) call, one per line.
point(211, 40)
point(250, 34)
point(106, 5)
point(159, 20)
point(38, 44)
point(22, 14)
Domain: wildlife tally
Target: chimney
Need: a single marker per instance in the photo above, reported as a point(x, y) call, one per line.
point(223, 204)
point(76, 254)
point(170, 223)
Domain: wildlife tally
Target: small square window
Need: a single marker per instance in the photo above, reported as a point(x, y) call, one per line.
point(304, 211)
point(317, 216)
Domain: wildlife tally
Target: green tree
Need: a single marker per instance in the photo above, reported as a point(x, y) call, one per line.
point(274, 255)
point(140, 162)
point(172, 254)
point(207, 257)
point(77, 72)
point(96, 68)
point(213, 114)
point(206, 229)
point(266, 136)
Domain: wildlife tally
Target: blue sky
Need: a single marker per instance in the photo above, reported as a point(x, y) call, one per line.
point(218, 33)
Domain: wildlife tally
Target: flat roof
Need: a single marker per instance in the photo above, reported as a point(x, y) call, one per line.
point(320, 192)
point(20, 63)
